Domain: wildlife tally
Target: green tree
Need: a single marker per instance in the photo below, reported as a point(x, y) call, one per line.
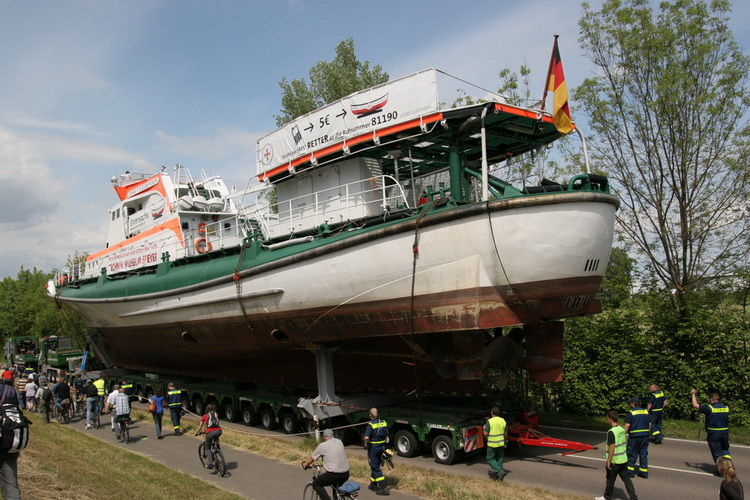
point(618, 280)
point(27, 310)
point(329, 81)
point(668, 108)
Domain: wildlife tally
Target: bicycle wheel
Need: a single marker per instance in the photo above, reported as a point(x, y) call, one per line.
point(125, 433)
point(202, 454)
point(95, 421)
point(219, 463)
point(66, 414)
point(310, 493)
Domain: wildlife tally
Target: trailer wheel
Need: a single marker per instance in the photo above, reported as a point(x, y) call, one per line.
point(199, 406)
point(442, 450)
point(309, 426)
point(249, 417)
point(229, 414)
point(406, 444)
point(185, 403)
point(289, 423)
point(268, 419)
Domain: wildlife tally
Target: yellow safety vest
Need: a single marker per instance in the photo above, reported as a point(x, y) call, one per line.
point(619, 456)
point(496, 436)
point(99, 384)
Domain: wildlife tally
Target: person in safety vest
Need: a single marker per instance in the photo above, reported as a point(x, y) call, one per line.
point(128, 389)
point(655, 408)
point(617, 460)
point(375, 438)
point(495, 433)
point(717, 424)
point(174, 402)
point(100, 391)
point(638, 427)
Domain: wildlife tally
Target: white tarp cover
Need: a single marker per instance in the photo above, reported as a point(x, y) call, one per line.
point(366, 111)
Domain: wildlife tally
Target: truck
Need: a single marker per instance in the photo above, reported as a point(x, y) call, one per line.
point(52, 356)
point(449, 427)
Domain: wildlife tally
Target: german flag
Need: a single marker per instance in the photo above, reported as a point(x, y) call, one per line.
point(556, 84)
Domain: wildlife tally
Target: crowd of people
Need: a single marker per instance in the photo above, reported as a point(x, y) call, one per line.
point(626, 449)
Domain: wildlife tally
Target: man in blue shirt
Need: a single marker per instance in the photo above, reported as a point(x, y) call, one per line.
point(717, 424)
point(376, 435)
point(637, 427)
point(655, 411)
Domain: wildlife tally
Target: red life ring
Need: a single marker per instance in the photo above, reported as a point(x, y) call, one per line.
point(63, 279)
point(202, 228)
point(202, 245)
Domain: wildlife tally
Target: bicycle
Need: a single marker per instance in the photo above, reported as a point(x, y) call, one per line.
point(220, 464)
point(95, 420)
point(63, 416)
point(122, 430)
point(340, 492)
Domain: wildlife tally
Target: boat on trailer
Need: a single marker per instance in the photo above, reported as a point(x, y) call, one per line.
point(384, 243)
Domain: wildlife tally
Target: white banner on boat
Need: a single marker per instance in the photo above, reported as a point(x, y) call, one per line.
point(376, 108)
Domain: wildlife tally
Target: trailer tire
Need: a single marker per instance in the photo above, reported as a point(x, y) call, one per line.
point(268, 419)
point(249, 417)
point(406, 443)
point(289, 423)
point(442, 450)
point(309, 426)
point(185, 403)
point(199, 406)
point(229, 414)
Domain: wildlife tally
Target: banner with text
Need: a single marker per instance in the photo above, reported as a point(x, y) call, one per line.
point(378, 107)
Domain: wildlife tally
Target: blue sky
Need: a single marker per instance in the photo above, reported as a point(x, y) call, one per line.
point(89, 89)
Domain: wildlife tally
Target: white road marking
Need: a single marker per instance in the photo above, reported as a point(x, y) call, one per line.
point(650, 466)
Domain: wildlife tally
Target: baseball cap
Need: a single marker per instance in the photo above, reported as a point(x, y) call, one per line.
point(634, 400)
point(327, 433)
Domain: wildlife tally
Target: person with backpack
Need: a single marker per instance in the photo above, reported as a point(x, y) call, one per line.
point(46, 402)
point(210, 422)
point(92, 401)
point(8, 458)
point(159, 402)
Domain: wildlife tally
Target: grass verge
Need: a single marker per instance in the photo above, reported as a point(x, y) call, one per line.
point(63, 463)
point(680, 429)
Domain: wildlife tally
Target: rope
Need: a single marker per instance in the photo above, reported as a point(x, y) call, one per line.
point(238, 287)
point(265, 434)
point(415, 255)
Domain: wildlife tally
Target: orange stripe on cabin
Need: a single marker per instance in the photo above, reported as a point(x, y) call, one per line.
point(171, 225)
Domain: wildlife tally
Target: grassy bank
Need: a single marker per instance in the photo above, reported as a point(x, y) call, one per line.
point(62, 463)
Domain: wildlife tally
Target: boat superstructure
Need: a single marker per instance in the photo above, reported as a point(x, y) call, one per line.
point(383, 237)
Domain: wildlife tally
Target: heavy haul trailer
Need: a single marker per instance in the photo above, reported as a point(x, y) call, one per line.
point(450, 427)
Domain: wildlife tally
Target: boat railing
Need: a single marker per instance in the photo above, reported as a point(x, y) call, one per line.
point(227, 232)
point(367, 197)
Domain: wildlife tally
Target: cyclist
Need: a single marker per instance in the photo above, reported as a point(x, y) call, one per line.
point(61, 392)
point(92, 401)
point(122, 411)
point(334, 462)
point(210, 422)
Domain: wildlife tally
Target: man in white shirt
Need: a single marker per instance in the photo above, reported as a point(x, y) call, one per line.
point(334, 462)
point(111, 404)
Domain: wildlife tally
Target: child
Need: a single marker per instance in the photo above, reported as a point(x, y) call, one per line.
point(210, 421)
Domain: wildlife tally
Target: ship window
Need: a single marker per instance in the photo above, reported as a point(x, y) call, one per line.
point(185, 226)
point(131, 210)
point(118, 213)
point(113, 215)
